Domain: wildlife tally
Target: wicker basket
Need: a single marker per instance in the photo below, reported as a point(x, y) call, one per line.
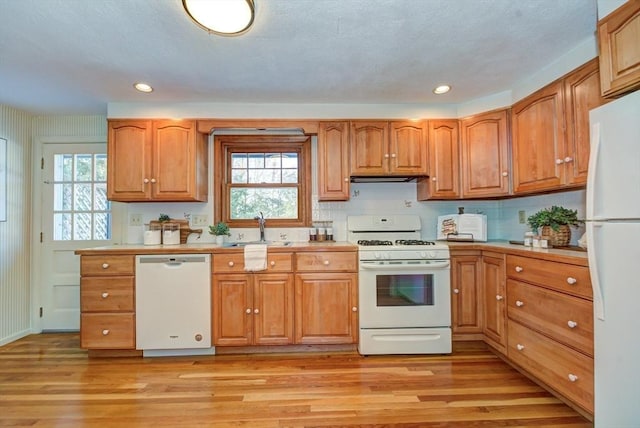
point(558, 238)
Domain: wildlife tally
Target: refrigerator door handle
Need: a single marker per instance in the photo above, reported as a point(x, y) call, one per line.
point(592, 168)
point(598, 303)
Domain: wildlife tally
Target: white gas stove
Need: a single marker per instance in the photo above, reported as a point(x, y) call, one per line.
point(403, 287)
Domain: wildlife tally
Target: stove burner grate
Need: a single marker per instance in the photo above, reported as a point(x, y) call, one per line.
point(367, 242)
point(413, 242)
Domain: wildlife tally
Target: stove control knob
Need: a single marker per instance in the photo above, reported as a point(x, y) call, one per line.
point(432, 254)
point(377, 255)
point(423, 254)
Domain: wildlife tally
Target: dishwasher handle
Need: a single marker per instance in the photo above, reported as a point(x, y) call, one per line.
point(173, 261)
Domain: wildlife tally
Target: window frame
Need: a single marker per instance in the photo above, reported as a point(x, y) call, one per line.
point(225, 144)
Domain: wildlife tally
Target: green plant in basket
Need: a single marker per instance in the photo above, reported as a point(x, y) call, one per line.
point(555, 223)
point(220, 229)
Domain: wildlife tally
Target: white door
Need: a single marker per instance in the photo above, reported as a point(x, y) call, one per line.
point(75, 213)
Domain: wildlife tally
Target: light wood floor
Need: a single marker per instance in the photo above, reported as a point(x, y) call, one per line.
point(48, 381)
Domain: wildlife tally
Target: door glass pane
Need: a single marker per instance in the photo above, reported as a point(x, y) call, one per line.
point(81, 210)
point(404, 290)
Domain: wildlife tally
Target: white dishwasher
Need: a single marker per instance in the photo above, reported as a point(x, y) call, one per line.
point(173, 304)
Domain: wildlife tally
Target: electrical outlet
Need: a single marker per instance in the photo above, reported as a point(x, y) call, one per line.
point(521, 216)
point(135, 219)
point(199, 220)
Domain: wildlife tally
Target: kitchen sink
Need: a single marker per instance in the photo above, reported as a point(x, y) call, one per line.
point(269, 243)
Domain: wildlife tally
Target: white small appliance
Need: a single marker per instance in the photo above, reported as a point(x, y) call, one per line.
point(462, 227)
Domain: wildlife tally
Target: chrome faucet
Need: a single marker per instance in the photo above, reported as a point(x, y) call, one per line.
point(261, 222)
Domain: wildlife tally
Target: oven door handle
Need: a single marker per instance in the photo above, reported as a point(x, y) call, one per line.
point(400, 267)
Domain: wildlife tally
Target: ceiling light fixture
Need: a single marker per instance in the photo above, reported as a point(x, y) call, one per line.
point(442, 89)
point(143, 87)
point(225, 17)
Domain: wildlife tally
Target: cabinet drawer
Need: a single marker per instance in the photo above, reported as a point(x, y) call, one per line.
point(564, 318)
point(107, 265)
point(107, 331)
point(567, 371)
point(326, 261)
point(564, 277)
point(107, 294)
point(276, 262)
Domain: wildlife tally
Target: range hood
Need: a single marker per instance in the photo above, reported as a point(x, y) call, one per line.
point(385, 178)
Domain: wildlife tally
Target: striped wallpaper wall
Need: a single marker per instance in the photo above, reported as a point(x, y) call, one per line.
point(22, 130)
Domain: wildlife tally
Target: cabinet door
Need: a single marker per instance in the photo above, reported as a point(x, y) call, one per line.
point(369, 148)
point(175, 162)
point(465, 302)
point(444, 158)
point(485, 155)
point(232, 310)
point(538, 140)
point(495, 317)
point(273, 309)
point(326, 308)
point(408, 148)
point(129, 160)
point(582, 93)
point(333, 161)
point(618, 35)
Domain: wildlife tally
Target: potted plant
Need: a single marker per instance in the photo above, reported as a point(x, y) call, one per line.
point(220, 230)
point(555, 223)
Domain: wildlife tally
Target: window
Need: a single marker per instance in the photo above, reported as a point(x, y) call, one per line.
point(268, 174)
point(81, 210)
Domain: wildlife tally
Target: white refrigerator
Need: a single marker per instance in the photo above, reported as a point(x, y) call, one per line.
point(613, 237)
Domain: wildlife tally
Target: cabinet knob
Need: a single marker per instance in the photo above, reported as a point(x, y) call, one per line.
point(519, 303)
point(433, 179)
point(105, 265)
point(146, 180)
point(354, 309)
point(326, 262)
point(272, 263)
point(105, 295)
point(256, 311)
point(393, 155)
point(386, 155)
point(505, 174)
point(153, 180)
point(568, 159)
point(499, 297)
point(559, 161)
point(571, 280)
point(519, 268)
point(248, 310)
point(231, 264)
point(520, 347)
point(456, 290)
point(105, 332)
point(346, 179)
point(572, 377)
point(572, 324)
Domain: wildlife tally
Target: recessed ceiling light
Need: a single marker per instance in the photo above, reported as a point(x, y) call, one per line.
point(143, 87)
point(442, 89)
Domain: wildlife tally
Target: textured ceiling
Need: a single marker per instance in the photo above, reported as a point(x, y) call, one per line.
point(75, 56)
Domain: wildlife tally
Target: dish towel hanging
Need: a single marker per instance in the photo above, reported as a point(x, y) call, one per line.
point(255, 257)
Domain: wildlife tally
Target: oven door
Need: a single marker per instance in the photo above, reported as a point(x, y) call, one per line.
point(395, 294)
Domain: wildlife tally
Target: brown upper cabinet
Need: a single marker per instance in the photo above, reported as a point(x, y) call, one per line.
point(550, 132)
point(619, 40)
point(156, 160)
point(484, 142)
point(333, 161)
point(388, 148)
point(444, 162)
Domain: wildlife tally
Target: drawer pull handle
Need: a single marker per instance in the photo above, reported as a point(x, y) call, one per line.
point(354, 309)
point(272, 263)
point(519, 303)
point(520, 347)
point(105, 332)
point(248, 310)
point(571, 280)
point(326, 262)
point(499, 297)
point(519, 269)
point(105, 265)
point(146, 180)
point(456, 291)
point(568, 159)
point(256, 311)
point(572, 377)
point(105, 295)
point(231, 264)
point(572, 324)
point(559, 161)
